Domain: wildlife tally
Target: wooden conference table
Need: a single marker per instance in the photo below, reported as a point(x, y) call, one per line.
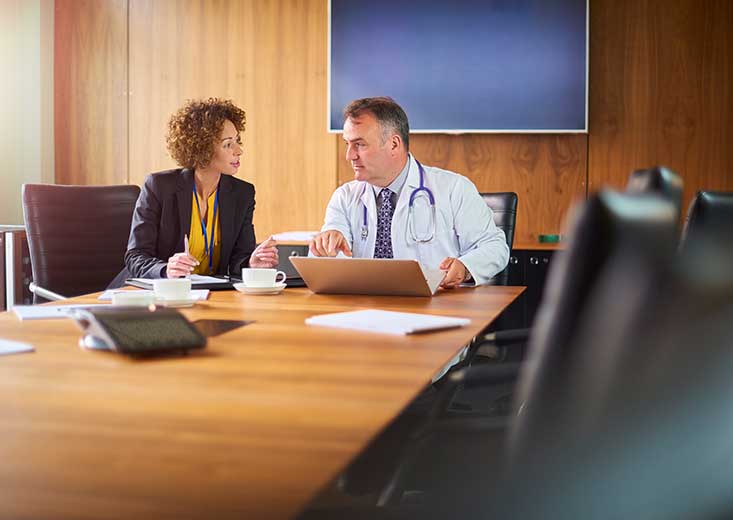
point(253, 427)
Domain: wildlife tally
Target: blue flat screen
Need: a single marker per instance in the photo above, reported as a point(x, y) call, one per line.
point(481, 66)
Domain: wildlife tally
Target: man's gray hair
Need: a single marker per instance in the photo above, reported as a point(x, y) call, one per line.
point(388, 113)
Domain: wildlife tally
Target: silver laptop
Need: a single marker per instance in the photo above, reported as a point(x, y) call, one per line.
point(378, 276)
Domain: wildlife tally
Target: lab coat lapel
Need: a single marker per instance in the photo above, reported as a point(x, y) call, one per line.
point(368, 201)
point(411, 183)
point(400, 244)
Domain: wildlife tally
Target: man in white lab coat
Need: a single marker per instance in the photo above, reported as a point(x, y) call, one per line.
point(447, 225)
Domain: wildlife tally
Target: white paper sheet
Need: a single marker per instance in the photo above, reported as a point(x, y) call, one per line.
point(49, 312)
point(387, 322)
point(14, 347)
point(195, 278)
point(196, 294)
point(295, 236)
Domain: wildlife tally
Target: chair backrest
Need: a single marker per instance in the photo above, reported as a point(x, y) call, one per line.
point(652, 439)
point(504, 207)
point(710, 211)
point(600, 227)
point(77, 235)
point(659, 180)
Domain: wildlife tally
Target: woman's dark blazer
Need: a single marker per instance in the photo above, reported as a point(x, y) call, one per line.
point(163, 216)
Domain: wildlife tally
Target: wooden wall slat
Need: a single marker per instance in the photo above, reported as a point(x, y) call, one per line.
point(90, 98)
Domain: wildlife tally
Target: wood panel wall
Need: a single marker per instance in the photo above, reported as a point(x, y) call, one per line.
point(90, 92)
point(659, 94)
point(660, 91)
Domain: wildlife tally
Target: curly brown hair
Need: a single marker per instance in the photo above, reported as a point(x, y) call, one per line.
point(195, 127)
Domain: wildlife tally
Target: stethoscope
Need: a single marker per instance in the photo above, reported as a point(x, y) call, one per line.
point(208, 244)
point(410, 211)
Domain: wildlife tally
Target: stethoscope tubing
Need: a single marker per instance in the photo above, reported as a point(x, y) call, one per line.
point(415, 193)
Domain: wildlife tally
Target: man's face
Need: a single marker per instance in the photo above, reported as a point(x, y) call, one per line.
point(372, 160)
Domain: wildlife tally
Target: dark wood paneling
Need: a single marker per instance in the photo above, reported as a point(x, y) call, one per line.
point(546, 171)
point(660, 91)
point(90, 91)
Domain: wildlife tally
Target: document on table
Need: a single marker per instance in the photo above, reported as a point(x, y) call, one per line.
point(14, 347)
point(295, 236)
point(387, 322)
point(196, 294)
point(50, 312)
point(195, 278)
point(198, 281)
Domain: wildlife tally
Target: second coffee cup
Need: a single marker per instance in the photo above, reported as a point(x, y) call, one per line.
point(172, 288)
point(262, 277)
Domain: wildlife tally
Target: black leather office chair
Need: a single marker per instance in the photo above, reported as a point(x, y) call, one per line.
point(640, 424)
point(710, 211)
point(659, 180)
point(461, 460)
point(77, 236)
point(604, 225)
point(650, 440)
point(504, 207)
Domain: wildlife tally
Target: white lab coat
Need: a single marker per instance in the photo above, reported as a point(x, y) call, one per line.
point(464, 227)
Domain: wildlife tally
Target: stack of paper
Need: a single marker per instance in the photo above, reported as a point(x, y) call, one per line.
point(49, 312)
point(387, 322)
point(14, 347)
point(196, 294)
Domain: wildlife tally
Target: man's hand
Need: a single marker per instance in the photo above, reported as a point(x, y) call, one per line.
point(456, 272)
point(265, 255)
point(329, 243)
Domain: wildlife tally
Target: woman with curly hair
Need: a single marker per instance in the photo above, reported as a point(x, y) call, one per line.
point(201, 202)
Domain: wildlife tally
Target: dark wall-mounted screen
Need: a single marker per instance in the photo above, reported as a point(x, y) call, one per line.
point(466, 65)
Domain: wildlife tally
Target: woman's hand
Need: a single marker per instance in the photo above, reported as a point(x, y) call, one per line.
point(265, 255)
point(180, 264)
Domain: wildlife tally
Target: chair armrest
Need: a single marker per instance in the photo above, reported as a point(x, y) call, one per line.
point(484, 375)
point(45, 293)
point(495, 345)
point(471, 376)
point(505, 338)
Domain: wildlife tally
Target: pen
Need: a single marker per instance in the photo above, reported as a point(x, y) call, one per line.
point(185, 244)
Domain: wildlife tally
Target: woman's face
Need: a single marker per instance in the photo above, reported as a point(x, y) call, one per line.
point(227, 150)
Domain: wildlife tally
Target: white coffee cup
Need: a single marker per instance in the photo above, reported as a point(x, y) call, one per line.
point(132, 298)
point(261, 277)
point(172, 288)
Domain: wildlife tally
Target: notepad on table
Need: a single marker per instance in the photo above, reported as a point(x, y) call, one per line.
point(387, 322)
point(198, 281)
point(14, 347)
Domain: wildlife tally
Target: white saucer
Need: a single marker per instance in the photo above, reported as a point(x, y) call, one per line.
point(275, 289)
point(176, 303)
